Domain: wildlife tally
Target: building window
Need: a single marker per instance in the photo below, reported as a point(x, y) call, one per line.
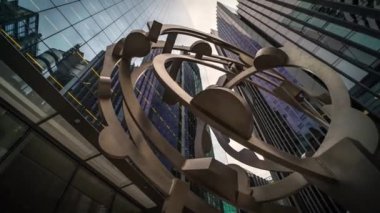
point(9, 28)
point(21, 28)
point(32, 19)
point(338, 30)
point(11, 130)
point(366, 40)
point(33, 181)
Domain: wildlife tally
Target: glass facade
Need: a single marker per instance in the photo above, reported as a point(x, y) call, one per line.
point(247, 39)
point(343, 34)
point(60, 47)
point(66, 54)
point(275, 122)
point(65, 36)
point(91, 24)
point(37, 175)
point(176, 123)
point(21, 24)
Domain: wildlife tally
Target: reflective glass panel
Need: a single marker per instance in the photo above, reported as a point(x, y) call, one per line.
point(11, 129)
point(51, 21)
point(87, 28)
point(74, 12)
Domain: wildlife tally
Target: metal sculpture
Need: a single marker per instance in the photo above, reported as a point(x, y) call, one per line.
point(341, 167)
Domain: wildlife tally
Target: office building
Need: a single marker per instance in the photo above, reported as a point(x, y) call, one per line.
point(52, 158)
point(342, 34)
point(21, 24)
point(276, 122)
point(50, 121)
point(176, 123)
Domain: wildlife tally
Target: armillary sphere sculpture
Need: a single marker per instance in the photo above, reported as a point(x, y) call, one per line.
point(341, 167)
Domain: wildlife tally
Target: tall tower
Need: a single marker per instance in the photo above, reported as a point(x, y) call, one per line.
point(276, 122)
point(50, 120)
point(342, 34)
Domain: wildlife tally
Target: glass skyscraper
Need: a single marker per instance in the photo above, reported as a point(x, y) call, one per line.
point(275, 121)
point(51, 56)
point(343, 34)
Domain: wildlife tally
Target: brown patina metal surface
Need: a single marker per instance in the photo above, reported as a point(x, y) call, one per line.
point(341, 167)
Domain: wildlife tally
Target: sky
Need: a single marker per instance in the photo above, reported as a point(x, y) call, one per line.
point(201, 15)
point(203, 12)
